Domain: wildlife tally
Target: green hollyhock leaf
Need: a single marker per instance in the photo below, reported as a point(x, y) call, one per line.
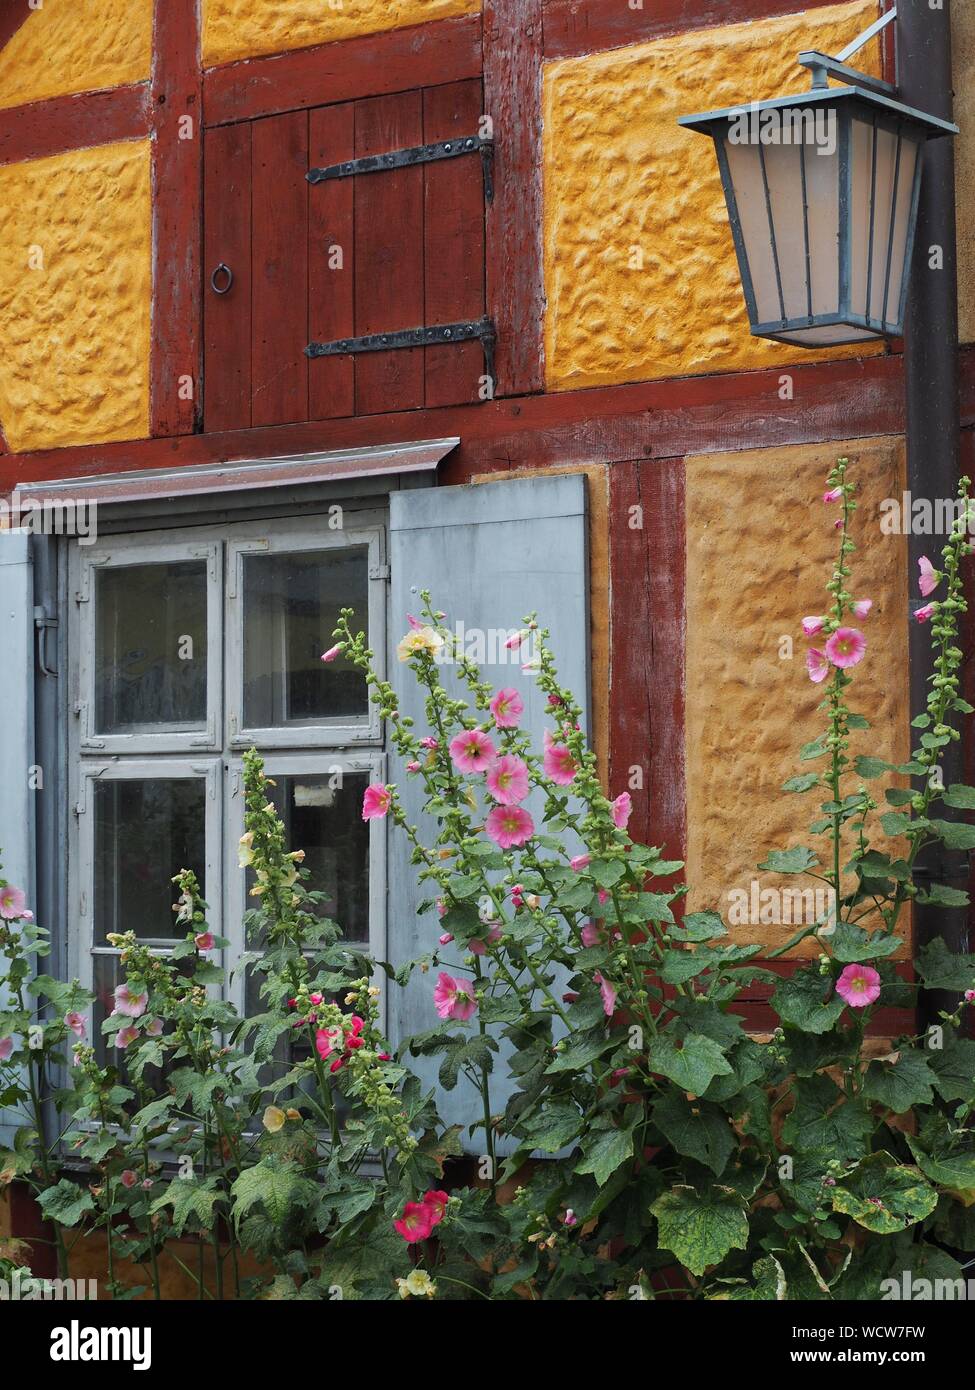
point(692, 1066)
point(815, 749)
point(941, 968)
point(955, 834)
point(699, 926)
point(580, 1051)
point(278, 1186)
point(823, 1118)
point(940, 895)
point(857, 721)
point(699, 1130)
point(953, 1171)
point(554, 1127)
point(699, 1228)
point(871, 767)
point(851, 944)
point(884, 1196)
point(603, 1150)
point(790, 861)
point(961, 796)
point(902, 1084)
point(809, 1001)
point(66, 1202)
point(954, 1066)
point(769, 1284)
point(875, 865)
point(803, 783)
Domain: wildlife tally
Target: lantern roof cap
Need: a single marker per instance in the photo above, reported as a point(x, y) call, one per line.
point(933, 126)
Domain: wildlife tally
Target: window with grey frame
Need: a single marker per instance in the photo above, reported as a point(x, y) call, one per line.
point(187, 648)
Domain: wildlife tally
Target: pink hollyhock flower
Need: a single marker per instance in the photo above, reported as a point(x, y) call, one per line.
point(413, 766)
point(516, 639)
point(509, 826)
point(376, 801)
point(6, 1048)
point(816, 665)
point(580, 862)
point(846, 647)
point(570, 1218)
point(603, 895)
point(203, 941)
point(861, 608)
point(437, 1201)
point(146, 1184)
point(76, 1022)
point(507, 780)
point(922, 615)
point(154, 1029)
point(479, 947)
point(970, 996)
point(446, 938)
point(811, 626)
point(327, 1040)
point(333, 652)
point(126, 1035)
point(454, 998)
point(415, 624)
point(472, 751)
point(429, 742)
point(11, 901)
point(129, 1004)
point(507, 708)
point(416, 1223)
point(608, 994)
point(591, 934)
point(559, 764)
point(834, 494)
point(621, 810)
point(859, 985)
point(517, 896)
point(930, 577)
point(129, 1179)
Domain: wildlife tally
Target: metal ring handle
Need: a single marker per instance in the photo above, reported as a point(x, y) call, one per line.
point(213, 278)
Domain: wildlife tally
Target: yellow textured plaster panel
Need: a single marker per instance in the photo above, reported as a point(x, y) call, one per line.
point(759, 552)
point(76, 46)
point(245, 28)
point(75, 276)
point(621, 174)
point(963, 55)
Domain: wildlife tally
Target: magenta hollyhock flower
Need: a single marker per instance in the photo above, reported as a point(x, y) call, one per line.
point(414, 766)
point(436, 1199)
point(859, 985)
point(811, 626)
point(816, 665)
point(429, 742)
point(129, 1179)
point(517, 896)
point(376, 801)
point(834, 494)
point(559, 764)
point(327, 1040)
point(608, 994)
point(509, 826)
point(416, 1223)
point(621, 810)
point(507, 780)
point(132, 1005)
point(591, 934)
point(333, 652)
point(846, 647)
point(454, 998)
point(446, 938)
point(922, 615)
point(203, 941)
point(929, 579)
point(146, 1184)
point(126, 1035)
point(76, 1022)
point(154, 1029)
point(580, 862)
point(507, 708)
point(516, 639)
point(570, 1218)
point(472, 751)
point(11, 901)
point(6, 1048)
point(970, 996)
point(861, 608)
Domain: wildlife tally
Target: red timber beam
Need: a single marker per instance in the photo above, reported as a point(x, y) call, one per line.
point(59, 124)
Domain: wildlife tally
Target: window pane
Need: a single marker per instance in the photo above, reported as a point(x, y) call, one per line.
point(291, 606)
point(146, 830)
point(150, 646)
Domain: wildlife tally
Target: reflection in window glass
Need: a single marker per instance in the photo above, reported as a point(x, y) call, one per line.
point(146, 830)
point(150, 646)
point(291, 606)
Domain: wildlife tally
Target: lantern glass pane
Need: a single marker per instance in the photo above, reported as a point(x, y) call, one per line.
point(910, 152)
point(745, 169)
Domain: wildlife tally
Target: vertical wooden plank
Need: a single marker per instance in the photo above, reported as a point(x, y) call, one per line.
point(513, 100)
point(279, 269)
point(331, 230)
point(647, 672)
point(389, 254)
point(227, 241)
point(177, 159)
point(453, 244)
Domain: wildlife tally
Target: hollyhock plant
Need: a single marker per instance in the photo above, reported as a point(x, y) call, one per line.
point(507, 780)
point(507, 708)
point(472, 751)
point(454, 998)
point(12, 902)
point(847, 647)
point(858, 985)
point(509, 826)
point(376, 801)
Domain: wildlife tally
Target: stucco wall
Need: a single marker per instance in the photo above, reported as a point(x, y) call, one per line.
point(759, 552)
point(246, 28)
point(621, 174)
point(76, 46)
point(75, 269)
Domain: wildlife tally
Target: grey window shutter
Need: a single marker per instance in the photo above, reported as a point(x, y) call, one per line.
point(489, 553)
point(16, 728)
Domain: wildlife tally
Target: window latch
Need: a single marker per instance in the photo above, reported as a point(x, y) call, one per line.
point(41, 625)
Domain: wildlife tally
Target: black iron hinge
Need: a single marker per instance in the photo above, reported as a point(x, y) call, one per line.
point(473, 330)
point(418, 154)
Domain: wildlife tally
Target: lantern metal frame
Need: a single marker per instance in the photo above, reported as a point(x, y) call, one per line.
point(863, 94)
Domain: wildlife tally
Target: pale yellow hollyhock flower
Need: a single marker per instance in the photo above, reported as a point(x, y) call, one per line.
point(418, 1283)
point(245, 854)
point(274, 1119)
point(423, 640)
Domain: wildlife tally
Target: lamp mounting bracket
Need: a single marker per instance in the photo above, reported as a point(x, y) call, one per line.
point(822, 67)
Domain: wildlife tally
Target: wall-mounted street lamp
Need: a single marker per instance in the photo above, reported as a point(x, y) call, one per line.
point(822, 191)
